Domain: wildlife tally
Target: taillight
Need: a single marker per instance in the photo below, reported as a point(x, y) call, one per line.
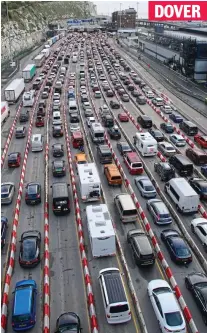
point(38, 196)
point(108, 316)
point(158, 216)
point(31, 321)
point(12, 323)
point(129, 313)
point(26, 196)
point(167, 330)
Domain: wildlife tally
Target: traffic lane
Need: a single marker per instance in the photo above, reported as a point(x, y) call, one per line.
point(31, 218)
point(157, 85)
point(110, 193)
point(179, 272)
point(67, 292)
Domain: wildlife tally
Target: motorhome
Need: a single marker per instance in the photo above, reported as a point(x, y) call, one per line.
point(101, 231)
point(146, 144)
point(89, 182)
point(97, 132)
point(28, 98)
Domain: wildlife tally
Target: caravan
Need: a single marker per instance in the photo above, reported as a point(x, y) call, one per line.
point(101, 231)
point(90, 184)
point(97, 133)
point(146, 144)
point(28, 98)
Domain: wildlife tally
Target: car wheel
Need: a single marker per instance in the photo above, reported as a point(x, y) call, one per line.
point(204, 319)
point(162, 237)
point(192, 228)
point(205, 247)
point(187, 284)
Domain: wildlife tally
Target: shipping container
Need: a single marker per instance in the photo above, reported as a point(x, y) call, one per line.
point(14, 90)
point(29, 72)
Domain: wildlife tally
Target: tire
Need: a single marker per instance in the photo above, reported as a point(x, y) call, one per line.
point(204, 319)
point(187, 285)
point(192, 229)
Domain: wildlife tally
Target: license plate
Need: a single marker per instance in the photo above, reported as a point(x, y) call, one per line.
point(32, 201)
point(23, 325)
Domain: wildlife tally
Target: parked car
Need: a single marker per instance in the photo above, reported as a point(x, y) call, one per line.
point(141, 99)
point(125, 98)
point(166, 109)
point(7, 192)
point(123, 117)
point(166, 307)
point(57, 150)
point(14, 160)
point(4, 226)
point(159, 211)
point(123, 147)
point(114, 105)
point(110, 93)
point(166, 148)
point(57, 131)
point(114, 132)
point(90, 120)
point(58, 168)
point(200, 186)
point(177, 247)
point(199, 227)
point(20, 132)
point(33, 193)
point(204, 170)
point(135, 93)
point(177, 140)
point(145, 187)
point(74, 127)
point(30, 249)
point(39, 122)
point(74, 118)
point(164, 170)
point(167, 127)
point(24, 116)
point(159, 137)
point(69, 321)
point(201, 140)
point(176, 118)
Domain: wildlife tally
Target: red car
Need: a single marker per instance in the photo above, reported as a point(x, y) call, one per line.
point(201, 140)
point(123, 117)
point(40, 122)
point(14, 160)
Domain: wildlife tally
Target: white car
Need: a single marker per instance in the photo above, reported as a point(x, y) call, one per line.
point(166, 307)
point(166, 109)
point(177, 140)
point(86, 105)
point(56, 96)
point(74, 127)
point(199, 227)
point(90, 120)
point(166, 148)
point(56, 105)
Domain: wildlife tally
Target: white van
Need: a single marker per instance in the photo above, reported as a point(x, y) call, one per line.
point(28, 98)
point(101, 231)
point(74, 58)
point(97, 133)
point(73, 108)
point(146, 144)
point(114, 296)
point(56, 118)
point(37, 142)
point(126, 207)
point(63, 70)
point(183, 195)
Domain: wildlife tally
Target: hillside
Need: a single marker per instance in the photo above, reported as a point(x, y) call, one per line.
point(28, 21)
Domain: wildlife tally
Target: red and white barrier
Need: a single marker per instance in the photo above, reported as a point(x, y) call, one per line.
point(6, 147)
point(160, 255)
point(90, 295)
point(202, 211)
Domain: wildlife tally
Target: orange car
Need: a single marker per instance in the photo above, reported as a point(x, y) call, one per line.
point(201, 140)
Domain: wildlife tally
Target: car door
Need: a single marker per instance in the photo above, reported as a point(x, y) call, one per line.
point(171, 248)
point(201, 233)
point(157, 308)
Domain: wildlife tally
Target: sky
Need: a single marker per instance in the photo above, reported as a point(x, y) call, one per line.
point(107, 7)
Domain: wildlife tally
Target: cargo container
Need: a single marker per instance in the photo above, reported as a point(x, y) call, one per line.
point(14, 90)
point(5, 112)
point(39, 59)
point(46, 52)
point(29, 72)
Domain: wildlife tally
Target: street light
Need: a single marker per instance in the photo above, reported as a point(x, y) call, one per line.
point(120, 15)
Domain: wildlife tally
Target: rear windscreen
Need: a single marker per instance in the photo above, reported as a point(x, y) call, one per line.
point(119, 308)
point(116, 178)
point(130, 212)
point(21, 318)
point(136, 165)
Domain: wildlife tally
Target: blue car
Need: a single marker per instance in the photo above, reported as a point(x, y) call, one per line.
point(176, 118)
point(204, 170)
point(24, 305)
point(4, 225)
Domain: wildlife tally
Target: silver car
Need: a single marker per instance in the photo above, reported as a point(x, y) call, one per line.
point(145, 187)
point(166, 148)
point(20, 132)
point(178, 140)
point(159, 211)
point(88, 112)
point(74, 127)
point(56, 105)
point(7, 193)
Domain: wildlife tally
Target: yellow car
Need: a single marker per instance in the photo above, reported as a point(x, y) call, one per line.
point(80, 159)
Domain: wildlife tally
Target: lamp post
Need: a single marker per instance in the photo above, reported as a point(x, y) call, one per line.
point(120, 15)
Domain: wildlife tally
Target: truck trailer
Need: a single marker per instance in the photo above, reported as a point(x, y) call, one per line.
point(46, 52)
point(29, 72)
point(39, 59)
point(5, 112)
point(14, 90)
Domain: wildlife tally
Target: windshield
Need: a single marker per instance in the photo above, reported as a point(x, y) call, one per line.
point(29, 249)
point(173, 318)
point(182, 252)
point(149, 188)
point(99, 135)
point(21, 318)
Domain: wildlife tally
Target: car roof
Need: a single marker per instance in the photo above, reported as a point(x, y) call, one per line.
point(168, 302)
point(58, 163)
point(22, 301)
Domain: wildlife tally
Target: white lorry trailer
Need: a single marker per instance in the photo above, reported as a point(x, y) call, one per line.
point(101, 231)
point(46, 52)
point(28, 98)
point(89, 181)
point(14, 90)
point(39, 59)
point(5, 112)
point(29, 72)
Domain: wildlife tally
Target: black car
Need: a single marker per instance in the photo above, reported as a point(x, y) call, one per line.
point(130, 87)
point(110, 93)
point(58, 150)
point(58, 168)
point(33, 194)
point(135, 93)
point(57, 131)
point(114, 105)
point(68, 322)
point(157, 135)
point(164, 170)
point(74, 118)
point(123, 147)
point(141, 99)
point(4, 225)
point(24, 116)
point(29, 255)
point(200, 186)
point(197, 284)
point(178, 249)
point(20, 132)
point(114, 133)
point(167, 127)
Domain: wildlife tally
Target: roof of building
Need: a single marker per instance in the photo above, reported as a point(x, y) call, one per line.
point(180, 34)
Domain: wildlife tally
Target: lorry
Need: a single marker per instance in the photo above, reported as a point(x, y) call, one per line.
point(5, 112)
point(28, 98)
point(39, 59)
point(46, 52)
point(89, 182)
point(14, 90)
point(101, 231)
point(29, 72)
